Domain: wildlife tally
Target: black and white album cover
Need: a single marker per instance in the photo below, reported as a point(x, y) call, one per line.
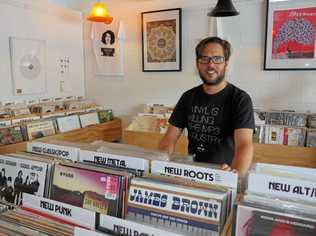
point(18, 176)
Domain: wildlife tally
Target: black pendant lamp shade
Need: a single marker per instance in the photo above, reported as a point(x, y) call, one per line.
point(223, 8)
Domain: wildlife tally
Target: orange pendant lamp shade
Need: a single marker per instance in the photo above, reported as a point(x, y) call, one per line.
point(99, 13)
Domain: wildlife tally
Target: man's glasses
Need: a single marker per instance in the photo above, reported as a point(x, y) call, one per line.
point(214, 59)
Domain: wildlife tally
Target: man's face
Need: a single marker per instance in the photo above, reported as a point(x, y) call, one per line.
point(211, 73)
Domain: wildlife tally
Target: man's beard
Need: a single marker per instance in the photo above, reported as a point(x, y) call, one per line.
point(219, 79)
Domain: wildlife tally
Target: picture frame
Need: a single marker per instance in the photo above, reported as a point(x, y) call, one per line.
point(161, 40)
point(290, 37)
point(28, 66)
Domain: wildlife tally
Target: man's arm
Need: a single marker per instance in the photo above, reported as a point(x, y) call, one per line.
point(168, 142)
point(243, 150)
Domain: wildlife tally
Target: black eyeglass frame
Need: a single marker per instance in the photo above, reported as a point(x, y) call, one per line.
point(212, 58)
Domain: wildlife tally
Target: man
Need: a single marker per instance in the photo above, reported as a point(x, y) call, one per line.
point(18, 187)
point(217, 114)
point(8, 192)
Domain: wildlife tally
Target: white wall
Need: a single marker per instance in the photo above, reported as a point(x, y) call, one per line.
point(271, 89)
point(62, 31)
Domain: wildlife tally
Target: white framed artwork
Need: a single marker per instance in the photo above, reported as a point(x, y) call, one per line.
point(28, 66)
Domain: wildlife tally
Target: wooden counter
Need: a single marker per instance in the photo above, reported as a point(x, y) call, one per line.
point(108, 131)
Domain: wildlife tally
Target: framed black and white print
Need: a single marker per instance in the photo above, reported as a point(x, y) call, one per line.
point(290, 42)
point(161, 40)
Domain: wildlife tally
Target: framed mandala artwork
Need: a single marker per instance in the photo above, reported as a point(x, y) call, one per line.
point(161, 40)
point(290, 35)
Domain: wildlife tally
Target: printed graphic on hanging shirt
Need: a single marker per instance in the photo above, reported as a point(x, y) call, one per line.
point(108, 46)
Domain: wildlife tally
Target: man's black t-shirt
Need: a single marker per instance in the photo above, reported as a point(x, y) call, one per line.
point(211, 121)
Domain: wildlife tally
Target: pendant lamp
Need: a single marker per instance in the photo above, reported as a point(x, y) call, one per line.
point(99, 13)
point(223, 8)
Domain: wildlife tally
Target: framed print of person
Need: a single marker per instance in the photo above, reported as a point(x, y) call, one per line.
point(161, 40)
point(290, 35)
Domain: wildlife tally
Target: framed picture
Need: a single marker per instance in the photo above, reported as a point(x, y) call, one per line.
point(28, 66)
point(161, 40)
point(290, 42)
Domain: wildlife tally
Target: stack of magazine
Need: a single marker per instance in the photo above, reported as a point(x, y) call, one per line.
point(280, 200)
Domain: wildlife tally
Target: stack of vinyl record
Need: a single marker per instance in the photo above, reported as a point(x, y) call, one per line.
point(280, 200)
point(5, 206)
point(91, 187)
point(177, 205)
point(281, 127)
point(20, 222)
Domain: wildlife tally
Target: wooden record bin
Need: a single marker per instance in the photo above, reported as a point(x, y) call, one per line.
point(109, 131)
point(265, 153)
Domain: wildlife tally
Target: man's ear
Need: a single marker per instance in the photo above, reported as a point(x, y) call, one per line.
point(226, 64)
point(196, 62)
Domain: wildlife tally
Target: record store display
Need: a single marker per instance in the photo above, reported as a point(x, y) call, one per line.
point(130, 189)
point(173, 197)
point(279, 200)
point(281, 127)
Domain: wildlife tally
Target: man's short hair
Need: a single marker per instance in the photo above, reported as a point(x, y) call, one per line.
point(225, 45)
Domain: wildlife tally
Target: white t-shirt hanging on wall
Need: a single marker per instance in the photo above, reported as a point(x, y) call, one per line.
point(108, 46)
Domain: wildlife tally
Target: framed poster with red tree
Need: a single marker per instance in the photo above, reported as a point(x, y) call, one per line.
point(290, 42)
point(161, 40)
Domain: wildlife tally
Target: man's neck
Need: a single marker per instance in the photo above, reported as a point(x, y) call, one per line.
point(213, 89)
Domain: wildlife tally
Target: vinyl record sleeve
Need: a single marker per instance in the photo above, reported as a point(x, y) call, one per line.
point(105, 115)
point(40, 129)
point(166, 205)
point(11, 135)
point(89, 119)
point(85, 188)
point(256, 222)
point(20, 176)
point(68, 123)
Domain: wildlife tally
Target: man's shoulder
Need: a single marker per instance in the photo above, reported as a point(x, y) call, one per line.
point(238, 93)
point(192, 90)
